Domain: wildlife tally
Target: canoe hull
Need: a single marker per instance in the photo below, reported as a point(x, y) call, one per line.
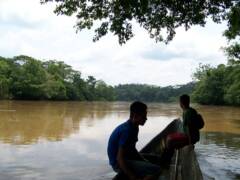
point(179, 164)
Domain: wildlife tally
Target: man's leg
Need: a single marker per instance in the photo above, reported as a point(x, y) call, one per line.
point(143, 168)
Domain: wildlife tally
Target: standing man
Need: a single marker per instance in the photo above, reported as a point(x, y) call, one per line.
point(192, 121)
point(122, 153)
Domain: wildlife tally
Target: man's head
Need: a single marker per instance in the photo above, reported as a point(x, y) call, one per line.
point(138, 113)
point(184, 101)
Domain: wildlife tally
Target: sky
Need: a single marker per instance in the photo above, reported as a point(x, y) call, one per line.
point(29, 28)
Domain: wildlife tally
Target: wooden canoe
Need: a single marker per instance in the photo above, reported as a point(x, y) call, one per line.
point(182, 165)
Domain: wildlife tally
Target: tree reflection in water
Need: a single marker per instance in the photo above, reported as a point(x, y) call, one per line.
point(26, 122)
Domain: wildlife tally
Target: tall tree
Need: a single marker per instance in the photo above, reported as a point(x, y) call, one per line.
point(218, 85)
point(233, 36)
point(104, 92)
point(24, 77)
point(211, 86)
point(232, 92)
point(156, 16)
point(29, 79)
point(4, 78)
point(59, 81)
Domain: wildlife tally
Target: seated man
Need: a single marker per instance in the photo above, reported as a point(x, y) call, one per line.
point(122, 152)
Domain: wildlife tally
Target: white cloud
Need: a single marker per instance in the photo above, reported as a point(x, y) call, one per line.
point(26, 27)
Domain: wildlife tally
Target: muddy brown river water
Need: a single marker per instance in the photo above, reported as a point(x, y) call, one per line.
point(67, 140)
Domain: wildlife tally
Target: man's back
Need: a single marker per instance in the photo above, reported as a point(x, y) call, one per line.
point(125, 135)
point(188, 117)
point(189, 127)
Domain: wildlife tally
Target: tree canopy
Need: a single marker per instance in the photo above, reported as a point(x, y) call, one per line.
point(218, 85)
point(159, 17)
point(26, 78)
point(150, 93)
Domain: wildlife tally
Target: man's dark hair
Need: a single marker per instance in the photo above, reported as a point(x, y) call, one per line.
point(185, 100)
point(137, 107)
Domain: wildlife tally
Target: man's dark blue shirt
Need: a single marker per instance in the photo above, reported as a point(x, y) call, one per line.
point(125, 135)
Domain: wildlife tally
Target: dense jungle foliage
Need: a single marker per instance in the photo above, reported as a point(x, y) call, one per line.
point(26, 78)
point(131, 92)
point(218, 85)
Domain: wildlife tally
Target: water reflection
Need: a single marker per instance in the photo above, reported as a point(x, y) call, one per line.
point(64, 140)
point(28, 122)
point(220, 154)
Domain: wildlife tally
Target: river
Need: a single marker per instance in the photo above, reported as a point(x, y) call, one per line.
point(67, 140)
